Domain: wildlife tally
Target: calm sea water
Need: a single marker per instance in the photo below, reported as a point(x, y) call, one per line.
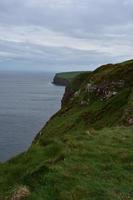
point(27, 100)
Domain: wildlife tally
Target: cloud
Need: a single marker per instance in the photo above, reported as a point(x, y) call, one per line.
point(66, 32)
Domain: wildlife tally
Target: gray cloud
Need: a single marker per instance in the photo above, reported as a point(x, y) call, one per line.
point(63, 33)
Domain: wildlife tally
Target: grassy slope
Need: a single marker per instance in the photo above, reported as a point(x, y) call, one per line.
point(84, 152)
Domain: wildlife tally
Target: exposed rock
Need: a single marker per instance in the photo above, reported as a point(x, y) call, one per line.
point(88, 132)
point(105, 90)
point(110, 94)
point(77, 93)
point(21, 193)
point(88, 87)
point(67, 95)
point(121, 83)
point(114, 93)
point(60, 81)
point(91, 88)
point(84, 103)
point(130, 121)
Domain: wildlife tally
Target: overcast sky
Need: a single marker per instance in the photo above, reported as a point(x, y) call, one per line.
point(64, 34)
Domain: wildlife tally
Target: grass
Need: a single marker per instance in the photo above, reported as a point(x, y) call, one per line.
point(69, 75)
point(84, 152)
point(98, 165)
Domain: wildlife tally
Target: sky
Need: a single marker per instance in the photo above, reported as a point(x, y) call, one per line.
point(64, 35)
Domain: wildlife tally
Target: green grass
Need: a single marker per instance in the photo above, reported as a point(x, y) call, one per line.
point(84, 152)
point(79, 165)
point(69, 75)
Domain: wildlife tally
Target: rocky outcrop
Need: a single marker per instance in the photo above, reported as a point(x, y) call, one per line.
point(67, 95)
point(21, 193)
point(105, 90)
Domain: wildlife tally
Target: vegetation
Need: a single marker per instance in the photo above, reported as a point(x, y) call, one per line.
point(85, 151)
point(65, 78)
point(69, 75)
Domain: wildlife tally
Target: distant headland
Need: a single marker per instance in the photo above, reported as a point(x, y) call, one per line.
point(64, 78)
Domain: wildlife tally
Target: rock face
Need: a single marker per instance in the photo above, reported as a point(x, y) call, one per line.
point(65, 78)
point(105, 90)
point(67, 95)
point(21, 193)
point(130, 121)
point(60, 81)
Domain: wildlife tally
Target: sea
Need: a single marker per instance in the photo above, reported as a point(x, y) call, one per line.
point(27, 101)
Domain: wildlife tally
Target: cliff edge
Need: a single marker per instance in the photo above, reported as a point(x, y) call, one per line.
point(65, 78)
point(85, 150)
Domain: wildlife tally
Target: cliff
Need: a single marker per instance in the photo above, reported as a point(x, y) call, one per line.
point(65, 78)
point(85, 150)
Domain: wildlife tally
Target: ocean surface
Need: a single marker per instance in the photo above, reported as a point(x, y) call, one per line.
point(27, 101)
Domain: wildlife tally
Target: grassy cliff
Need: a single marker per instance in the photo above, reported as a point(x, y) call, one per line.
point(65, 78)
point(85, 151)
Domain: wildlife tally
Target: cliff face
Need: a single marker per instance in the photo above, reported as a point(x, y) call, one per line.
point(110, 87)
point(60, 81)
point(85, 150)
point(65, 78)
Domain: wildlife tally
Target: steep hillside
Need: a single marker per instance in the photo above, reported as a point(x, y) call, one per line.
point(65, 78)
point(85, 151)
